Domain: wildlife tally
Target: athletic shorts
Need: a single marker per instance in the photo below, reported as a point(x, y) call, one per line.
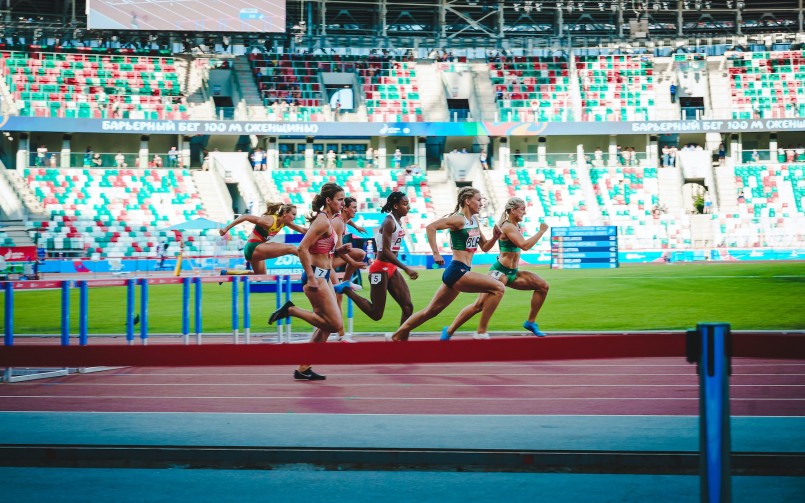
point(454, 272)
point(248, 250)
point(317, 272)
point(379, 266)
point(498, 270)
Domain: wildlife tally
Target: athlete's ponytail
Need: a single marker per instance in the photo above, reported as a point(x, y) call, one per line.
point(511, 204)
point(394, 198)
point(328, 191)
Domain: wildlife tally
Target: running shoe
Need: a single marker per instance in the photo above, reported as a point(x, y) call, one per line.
point(280, 313)
point(308, 375)
point(445, 336)
point(340, 287)
point(348, 338)
point(389, 336)
point(533, 328)
point(481, 337)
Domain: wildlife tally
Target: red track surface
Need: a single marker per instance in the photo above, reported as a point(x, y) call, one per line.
point(653, 386)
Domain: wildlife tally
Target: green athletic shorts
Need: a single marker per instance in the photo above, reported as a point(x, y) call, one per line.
point(511, 274)
point(248, 250)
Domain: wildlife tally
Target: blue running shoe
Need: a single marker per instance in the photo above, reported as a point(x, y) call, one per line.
point(533, 328)
point(445, 336)
point(340, 287)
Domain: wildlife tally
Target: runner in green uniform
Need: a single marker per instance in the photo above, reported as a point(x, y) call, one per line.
point(505, 270)
point(465, 239)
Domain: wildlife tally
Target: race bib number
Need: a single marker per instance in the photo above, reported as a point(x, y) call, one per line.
point(375, 278)
point(318, 272)
point(472, 239)
point(496, 274)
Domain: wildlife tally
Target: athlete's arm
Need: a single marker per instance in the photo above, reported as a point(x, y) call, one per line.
point(452, 222)
point(297, 228)
point(487, 244)
point(356, 226)
point(265, 221)
point(513, 234)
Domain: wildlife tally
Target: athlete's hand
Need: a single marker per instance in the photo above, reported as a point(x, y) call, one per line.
point(543, 227)
point(311, 287)
point(343, 249)
point(222, 231)
point(437, 257)
point(412, 274)
point(496, 232)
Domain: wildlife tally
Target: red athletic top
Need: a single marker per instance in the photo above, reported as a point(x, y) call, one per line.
point(325, 245)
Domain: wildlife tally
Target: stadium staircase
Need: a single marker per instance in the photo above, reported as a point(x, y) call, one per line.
point(431, 93)
point(33, 208)
point(484, 92)
point(666, 72)
point(234, 168)
point(718, 83)
point(250, 93)
point(213, 191)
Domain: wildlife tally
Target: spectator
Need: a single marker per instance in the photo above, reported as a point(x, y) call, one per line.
point(173, 157)
point(41, 155)
point(482, 158)
point(54, 160)
point(88, 154)
point(397, 158)
point(666, 156)
point(598, 157)
point(722, 154)
point(97, 162)
point(120, 160)
point(672, 91)
point(157, 162)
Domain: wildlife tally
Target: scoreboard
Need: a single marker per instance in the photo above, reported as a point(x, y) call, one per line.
point(594, 247)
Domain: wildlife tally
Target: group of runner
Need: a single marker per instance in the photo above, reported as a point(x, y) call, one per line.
point(321, 251)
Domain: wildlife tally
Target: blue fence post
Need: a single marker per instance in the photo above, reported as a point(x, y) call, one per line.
point(65, 313)
point(235, 317)
point(130, 310)
point(710, 347)
point(247, 324)
point(197, 281)
point(287, 298)
point(144, 310)
point(8, 335)
point(278, 296)
point(83, 313)
point(350, 315)
point(186, 310)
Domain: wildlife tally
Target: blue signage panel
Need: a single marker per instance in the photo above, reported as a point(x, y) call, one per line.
point(594, 247)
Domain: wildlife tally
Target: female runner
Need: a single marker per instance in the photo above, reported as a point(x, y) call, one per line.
point(383, 275)
point(465, 238)
point(259, 247)
point(316, 256)
point(512, 241)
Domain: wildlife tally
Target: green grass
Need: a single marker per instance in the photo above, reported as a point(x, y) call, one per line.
point(749, 296)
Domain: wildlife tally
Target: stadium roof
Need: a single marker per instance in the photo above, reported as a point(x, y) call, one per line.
point(449, 23)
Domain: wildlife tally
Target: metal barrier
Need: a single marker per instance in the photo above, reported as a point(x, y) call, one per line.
point(281, 286)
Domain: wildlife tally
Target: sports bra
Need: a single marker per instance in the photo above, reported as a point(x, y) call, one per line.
point(467, 237)
point(507, 246)
point(325, 245)
point(260, 234)
point(397, 236)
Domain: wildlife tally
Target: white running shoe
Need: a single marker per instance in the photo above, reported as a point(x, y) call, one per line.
point(347, 338)
point(333, 337)
point(481, 337)
point(355, 287)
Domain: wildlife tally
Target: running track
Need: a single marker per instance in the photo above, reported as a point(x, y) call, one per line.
point(656, 386)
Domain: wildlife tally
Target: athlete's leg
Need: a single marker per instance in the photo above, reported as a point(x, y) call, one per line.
point(379, 282)
point(493, 288)
point(466, 314)
point(266, 251)
point(399, 291)
point(443, 297)
point(529, 281)
point(325, 314)
point(356, 254)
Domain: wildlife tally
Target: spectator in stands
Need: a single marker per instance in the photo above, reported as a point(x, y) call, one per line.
point(483, 160)
point(672, 156)
point(54, 160)
point(370, 157)
point(331, 159)
point(672, 91)
point(756, 155)
point(157, 162)
point(173, 157)
point(626, 156)
point(397, 159)
point(518, 158)
point(666, 156)
point(598, 157)
point(41, 155)
point(120, 160)
point(708, 203)
point(205, 160)
point(619, 155)
point(722, 154)
point(790, 154)
point(257, 159)
point(97, 162)
point(88, 154)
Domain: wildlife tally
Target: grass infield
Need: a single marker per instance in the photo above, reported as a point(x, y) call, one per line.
point(748, 295)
